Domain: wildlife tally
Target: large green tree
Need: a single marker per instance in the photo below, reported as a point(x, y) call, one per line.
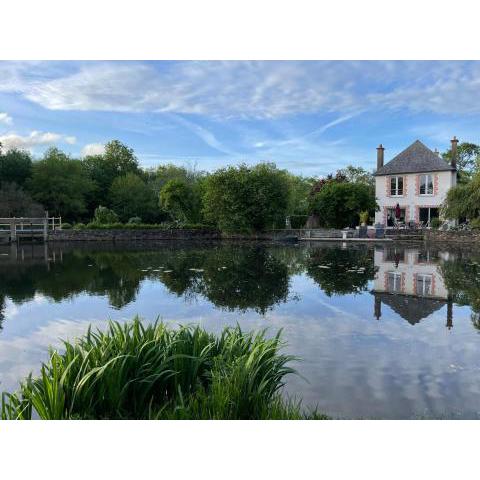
point(131, 197)
point(338, 204)
point(468, 160)
point(15, 166)
point(61, 184)
point(247, 198)
point(118, 160)
point(15, 202)
point(181, 201)
point(463, 200)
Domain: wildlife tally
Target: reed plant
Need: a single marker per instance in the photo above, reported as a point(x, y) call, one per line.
point(137, 371)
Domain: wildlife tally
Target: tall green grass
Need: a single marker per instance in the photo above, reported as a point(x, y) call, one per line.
point(137, 371)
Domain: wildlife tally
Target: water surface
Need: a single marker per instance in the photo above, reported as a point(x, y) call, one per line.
point(382, 332)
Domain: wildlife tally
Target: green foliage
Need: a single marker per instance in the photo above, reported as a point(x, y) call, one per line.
point(463, 200)
point(15, 166)
point(134, 221)
point(357, 175)
point(468, 160)
point(66, 226)
point(118, 160)
point(131, 197)
point(15, 202)
point(298, 221)
point(299, 189)
point(364, 216)
point(338, 204)
point(180, 200)
point(61, 184)
point(475, 223)
point(79, 226)
point(246, 198)
point(104, 215)
point(133, 371)
point(436, 223)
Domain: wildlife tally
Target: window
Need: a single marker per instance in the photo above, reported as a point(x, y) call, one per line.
point(394, 282)
point(396, 186)
point(424, 284)
point(426, 185)
point(426, 214)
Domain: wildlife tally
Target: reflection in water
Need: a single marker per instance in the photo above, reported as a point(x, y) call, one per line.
point(410, 282)
point(322, 295)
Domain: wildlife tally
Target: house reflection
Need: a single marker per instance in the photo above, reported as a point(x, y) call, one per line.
point(409, 281)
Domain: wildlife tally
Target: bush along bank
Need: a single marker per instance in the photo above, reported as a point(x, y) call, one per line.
point(137, 371)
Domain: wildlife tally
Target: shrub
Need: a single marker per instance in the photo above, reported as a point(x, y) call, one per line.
point(435, 223)
point(475, 223)
point(133, 371)
point(66, 226)
point(104, 215)
point(79, 226)
point(298, 221)
point(134, 220)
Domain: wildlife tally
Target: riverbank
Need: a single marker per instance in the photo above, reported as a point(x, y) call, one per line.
point(147, 235)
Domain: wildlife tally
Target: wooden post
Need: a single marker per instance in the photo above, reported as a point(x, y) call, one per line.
point(13, 231)
point(45, 229)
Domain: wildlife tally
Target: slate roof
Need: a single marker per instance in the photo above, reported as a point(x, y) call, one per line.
point(415, 159)
point(410, 308)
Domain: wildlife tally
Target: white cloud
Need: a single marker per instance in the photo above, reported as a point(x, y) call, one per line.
point(5, 118)
point(93, 149)
point(34, 139)
point(250, 89)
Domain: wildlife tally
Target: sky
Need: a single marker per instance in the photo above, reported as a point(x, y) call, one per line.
point(310, 117)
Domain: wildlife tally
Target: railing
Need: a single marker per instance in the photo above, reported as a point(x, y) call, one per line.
point(17, 227)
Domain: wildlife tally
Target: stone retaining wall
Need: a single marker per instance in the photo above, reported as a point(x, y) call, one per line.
point(460, 236)
point(130, 235)
point(119, 235)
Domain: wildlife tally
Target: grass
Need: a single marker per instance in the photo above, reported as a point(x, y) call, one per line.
point(137, 371)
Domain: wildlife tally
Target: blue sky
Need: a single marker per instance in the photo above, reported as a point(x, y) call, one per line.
point(309, 117)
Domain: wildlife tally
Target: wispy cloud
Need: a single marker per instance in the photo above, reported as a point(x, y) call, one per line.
point(5, 118)
point(261, 90)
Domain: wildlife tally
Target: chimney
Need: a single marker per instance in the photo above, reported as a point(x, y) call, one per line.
point(454, 152)
point(380, 151)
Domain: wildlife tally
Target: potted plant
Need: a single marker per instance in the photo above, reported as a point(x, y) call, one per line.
point(364, 216)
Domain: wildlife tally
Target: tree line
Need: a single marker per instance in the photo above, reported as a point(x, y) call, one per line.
point(113, 188)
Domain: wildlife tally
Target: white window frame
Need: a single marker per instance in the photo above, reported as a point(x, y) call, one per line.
point(397, 281)
point(427, 177)
point(396, 177)
point(423, 276)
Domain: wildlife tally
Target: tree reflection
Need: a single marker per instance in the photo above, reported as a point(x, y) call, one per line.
point(341, 271)
point(230, 276)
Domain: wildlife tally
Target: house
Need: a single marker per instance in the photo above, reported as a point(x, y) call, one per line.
point(417, 179)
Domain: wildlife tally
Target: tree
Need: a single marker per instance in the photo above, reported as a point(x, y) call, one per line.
point(468, 160)
point(357, 175)
point(104, 215)
point(181, 201)
point(463, 200)
point(15, 166)
point(131, 197)
point(246, 198)
point(15, 202)
point(338, 205)
point(61, 184)
point(118, 160)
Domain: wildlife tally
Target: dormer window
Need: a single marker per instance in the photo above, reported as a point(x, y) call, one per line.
point(426, 184)
point(396, 186)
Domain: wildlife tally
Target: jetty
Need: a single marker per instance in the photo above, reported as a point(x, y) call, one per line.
point(16, 229)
